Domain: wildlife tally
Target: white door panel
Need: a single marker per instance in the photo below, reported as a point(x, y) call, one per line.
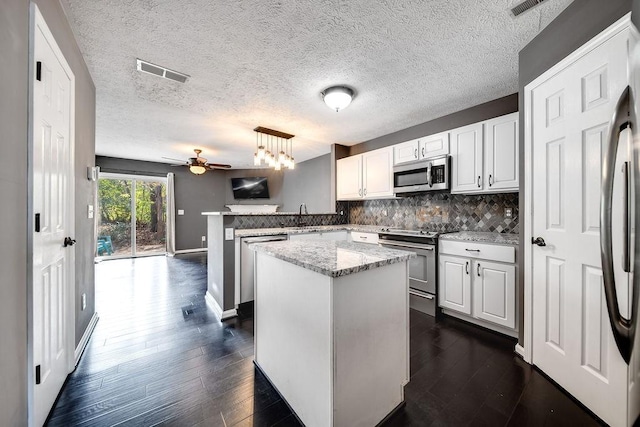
point(494, 287)
point(406, 152)
point(434, 145)
point(501, 147)
point(572, 338)
point(454, 283)
point(52, 180)
point(466, 159)
point(349, 178)
point(377, 172)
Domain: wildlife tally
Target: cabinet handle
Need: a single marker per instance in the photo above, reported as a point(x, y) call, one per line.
point(472, 250)
point(360, 192)
point(363, 237)
point(490, 181)
point(478, 269)
point(466, 267)
point(415, 153)
point(479, 177)
point(365, 191)
point(423, 152)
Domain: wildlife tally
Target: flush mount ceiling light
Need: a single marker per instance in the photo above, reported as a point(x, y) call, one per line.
point(337, 97)
point(274, 148)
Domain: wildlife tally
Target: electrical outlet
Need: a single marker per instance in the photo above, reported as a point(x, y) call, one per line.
point(180, 211)
point(508, 212)
point(341, 212)
point(204, 238)
point(228, 234)
point(84, 301)
point(384, 212)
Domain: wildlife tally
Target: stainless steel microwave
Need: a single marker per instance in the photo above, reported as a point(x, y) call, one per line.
point(422, 175)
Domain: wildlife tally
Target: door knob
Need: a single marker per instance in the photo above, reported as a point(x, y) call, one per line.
point(68, 241)
point(538, 241)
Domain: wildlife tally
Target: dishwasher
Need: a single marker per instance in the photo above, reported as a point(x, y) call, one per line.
point(247, 264)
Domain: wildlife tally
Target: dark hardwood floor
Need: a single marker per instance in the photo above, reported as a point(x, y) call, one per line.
point(159, 356)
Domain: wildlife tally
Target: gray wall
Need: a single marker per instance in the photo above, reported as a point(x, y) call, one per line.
point(309, 183)
point(274, 181)
point(488, 110)
point(14, 30)
point(576, 25)
point(194, 194)
point(14, 95)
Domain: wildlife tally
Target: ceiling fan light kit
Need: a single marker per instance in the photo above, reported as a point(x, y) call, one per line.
point(337, 97)
point(270, 142)
point(198, 165)
point(197, 169)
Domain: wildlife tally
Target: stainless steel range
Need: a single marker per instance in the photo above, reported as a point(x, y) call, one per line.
point(422, 269)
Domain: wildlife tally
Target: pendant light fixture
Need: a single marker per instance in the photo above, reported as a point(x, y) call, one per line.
point(337, 97)
point(277, 151)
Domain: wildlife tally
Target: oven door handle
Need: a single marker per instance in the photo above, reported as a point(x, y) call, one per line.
point(407, 245)
point(421, 295)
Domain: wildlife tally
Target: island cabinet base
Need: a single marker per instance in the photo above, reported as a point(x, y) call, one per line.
point(336, 348)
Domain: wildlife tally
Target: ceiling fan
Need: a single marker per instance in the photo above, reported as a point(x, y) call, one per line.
point(199, 165)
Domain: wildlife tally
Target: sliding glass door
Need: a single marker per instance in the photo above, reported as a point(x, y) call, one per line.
point(131, 216)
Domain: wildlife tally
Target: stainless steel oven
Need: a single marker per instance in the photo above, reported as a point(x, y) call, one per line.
point(422, 175)
point(422, 268)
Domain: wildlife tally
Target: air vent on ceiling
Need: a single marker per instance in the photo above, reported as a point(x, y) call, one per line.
point(524, 6)
point(159, 71)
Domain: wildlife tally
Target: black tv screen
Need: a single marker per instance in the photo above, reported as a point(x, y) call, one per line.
point(250, 188)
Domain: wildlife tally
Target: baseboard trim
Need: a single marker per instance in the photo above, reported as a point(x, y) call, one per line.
point(519, 350)
point(85, 338)
point(188, 251)
point(213, 304)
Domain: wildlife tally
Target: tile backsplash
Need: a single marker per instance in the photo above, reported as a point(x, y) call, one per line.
point(441, 212)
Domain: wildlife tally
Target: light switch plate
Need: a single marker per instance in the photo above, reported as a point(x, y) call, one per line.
point(90, 211)
point(84, 301)
point(180, 211)
point(228, 234)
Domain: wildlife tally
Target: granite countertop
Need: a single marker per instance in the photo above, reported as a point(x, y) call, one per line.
point(229, 213)
point(333, 258)
point(483, 237)
point(255, 232)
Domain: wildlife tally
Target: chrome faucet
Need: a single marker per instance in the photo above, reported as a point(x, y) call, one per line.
point(300, 222)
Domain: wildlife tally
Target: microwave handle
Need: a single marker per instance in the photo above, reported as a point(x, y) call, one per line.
point(429, 176)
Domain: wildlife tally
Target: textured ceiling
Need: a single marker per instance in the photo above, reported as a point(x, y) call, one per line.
point(264, 63)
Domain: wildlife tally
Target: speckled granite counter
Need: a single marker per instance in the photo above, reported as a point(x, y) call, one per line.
point(254, 232)
point(333, 258)
point(483, 237)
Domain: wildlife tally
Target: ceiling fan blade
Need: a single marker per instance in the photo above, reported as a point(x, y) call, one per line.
point(175, 160)
point(218, 166)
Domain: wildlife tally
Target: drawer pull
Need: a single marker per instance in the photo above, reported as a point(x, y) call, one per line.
point(472, 250)
point(421, 295)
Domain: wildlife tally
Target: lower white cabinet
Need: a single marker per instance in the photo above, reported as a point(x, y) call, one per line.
point(494, 292)
point(454, 290)
point(478, 288)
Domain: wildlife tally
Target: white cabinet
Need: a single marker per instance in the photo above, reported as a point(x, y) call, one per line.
point(421, 148)
point(358, 236)
point(406, 152)
point(454, 287)
point(484, 156)
point(494, 288)
point(501, 153)
point(466, 159)
point(479, 288)
point(349, 178)
point(365, 176)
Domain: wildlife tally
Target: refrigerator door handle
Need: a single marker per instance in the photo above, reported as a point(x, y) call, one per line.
point(623, 117)
point(626, 225)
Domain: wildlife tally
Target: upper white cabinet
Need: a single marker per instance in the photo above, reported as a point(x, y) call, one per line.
point(501, 153)
point(421, 148)
point(466, 159)
point(349, 178)
point(484, 156)
point(365, 176)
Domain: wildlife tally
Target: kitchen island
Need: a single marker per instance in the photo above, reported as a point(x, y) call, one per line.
point(332, 328)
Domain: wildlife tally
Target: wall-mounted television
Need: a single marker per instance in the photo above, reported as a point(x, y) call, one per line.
point(250, 188)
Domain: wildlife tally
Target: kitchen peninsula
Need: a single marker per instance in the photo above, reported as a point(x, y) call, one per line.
point(331, 328)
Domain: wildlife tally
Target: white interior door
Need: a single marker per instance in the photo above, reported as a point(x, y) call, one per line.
point(572, 338)
point(53, 271)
